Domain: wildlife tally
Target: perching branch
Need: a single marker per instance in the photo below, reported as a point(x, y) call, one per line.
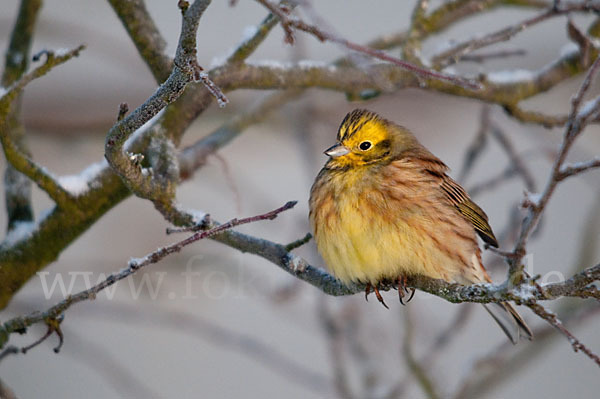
point(51, 315)
point(276, 253)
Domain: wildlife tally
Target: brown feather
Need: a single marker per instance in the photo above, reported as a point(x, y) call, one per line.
point(458, 197)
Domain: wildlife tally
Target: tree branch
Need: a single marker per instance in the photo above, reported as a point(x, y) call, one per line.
point(250, 44)
point(50, 316)
point(556, 323)
point(576, 168)
point(287, 23)
point(17, 188)
point(578, 120)
point(454, 54)
point(415, 366)
point(547, 121)
point(194, 156)
point(158, 184)
point(18, 159)
point(145, 35)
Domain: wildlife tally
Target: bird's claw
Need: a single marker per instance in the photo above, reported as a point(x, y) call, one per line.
point(403, 290)
point(377, 294)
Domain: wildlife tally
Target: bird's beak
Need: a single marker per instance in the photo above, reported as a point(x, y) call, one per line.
point(337, 150)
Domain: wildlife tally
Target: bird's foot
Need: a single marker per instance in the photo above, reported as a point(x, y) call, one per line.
point(403, 290)
point(377, 293)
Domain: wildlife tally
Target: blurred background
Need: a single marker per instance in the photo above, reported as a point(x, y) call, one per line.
point(213, 322)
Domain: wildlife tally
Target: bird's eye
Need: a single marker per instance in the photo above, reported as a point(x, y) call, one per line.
point(365, 145)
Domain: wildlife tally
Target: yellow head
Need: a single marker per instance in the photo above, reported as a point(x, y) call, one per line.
point(365, 138)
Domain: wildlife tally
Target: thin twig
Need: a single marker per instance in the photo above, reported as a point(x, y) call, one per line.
point(483, 57)
point(504, 362)
point(475, 149)
point(53, 327)
point(249, 45)
point(18, 159)
point(287, 23)
point(298, 243)
point(19, 324)
point(493, 182)
point(145, 35)
point(196, 154)
point(569, 170)
point(335, 343)
point(454, 54)
point(556, 323)
point(578, 120)
point(9, 350)
point(159, 254)
point(416, 367)
point(517, 162)
point(547, 121)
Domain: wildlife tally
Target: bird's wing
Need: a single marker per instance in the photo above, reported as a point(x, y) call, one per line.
point(458, 197)
point(470, 210)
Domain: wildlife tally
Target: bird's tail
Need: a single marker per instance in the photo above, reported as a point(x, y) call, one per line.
point(509, 320)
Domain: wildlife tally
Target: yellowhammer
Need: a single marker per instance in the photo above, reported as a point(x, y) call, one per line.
point(383, 208)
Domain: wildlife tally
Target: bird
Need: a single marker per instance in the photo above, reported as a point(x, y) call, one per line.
point(384, 208)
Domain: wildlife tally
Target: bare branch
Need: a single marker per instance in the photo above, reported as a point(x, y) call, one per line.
point(195, 155)
point(250, 44)
point(547, 121)
point(556, 323)
point(333, 334)
point(17, 188)
point(517, 162)
point(160, 187)
point(53, 315)
point(415, 366)
point(145, 35)
point(502, 363)
point(477, 145)
point(386, 78)
point(288, 23)
point(53, 327)
point(18, 159)
point(483, 57)
point(493, 182)
point(578, 120)
point(298, 243)
point(9, 350)
point(454, 54)
point(576, 168)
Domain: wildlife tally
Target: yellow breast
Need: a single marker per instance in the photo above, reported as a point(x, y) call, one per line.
point(365, 236)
